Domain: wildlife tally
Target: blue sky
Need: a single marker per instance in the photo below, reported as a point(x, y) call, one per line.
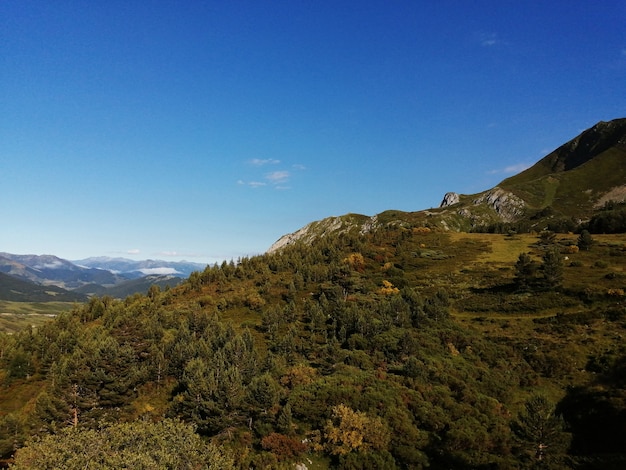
point(206, 130)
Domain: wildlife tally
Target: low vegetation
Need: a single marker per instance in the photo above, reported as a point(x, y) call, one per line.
point(401, 348)
point(16, 316)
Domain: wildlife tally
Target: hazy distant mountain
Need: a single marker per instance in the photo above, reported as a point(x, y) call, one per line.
point(135, 269)
point(54, 271)
point(567, 186)
point(38, 278)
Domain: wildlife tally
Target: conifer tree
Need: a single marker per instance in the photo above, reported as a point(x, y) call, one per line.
point(552, 268)
point(585, 240)
point(525, 269)
point(540, 434)
point(285, 420)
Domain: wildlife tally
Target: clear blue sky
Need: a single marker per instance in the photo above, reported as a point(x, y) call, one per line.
point(206, 130)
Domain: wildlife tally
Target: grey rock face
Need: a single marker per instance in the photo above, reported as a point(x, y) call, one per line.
point(508, 206)
point(449, 199)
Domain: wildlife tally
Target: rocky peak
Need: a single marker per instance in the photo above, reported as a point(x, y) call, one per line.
point(449, 199)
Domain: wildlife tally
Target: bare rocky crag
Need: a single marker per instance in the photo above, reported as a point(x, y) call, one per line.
point(506, 204)
point(317, 229)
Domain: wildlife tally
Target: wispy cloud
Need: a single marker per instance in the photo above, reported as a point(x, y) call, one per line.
point(263, 162)
point(511, 169)
point(133, 251)
point(169, 253)
point(488, 39)
point(277, 177)
point(252, 184)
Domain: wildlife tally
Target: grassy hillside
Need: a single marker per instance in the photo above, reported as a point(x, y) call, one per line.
point(574, 192)
point(573, 177)
point(16, 316)
point(398, 348)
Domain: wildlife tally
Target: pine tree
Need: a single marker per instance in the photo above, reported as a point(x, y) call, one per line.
point(585, 240)
point(525, 269)
point(540, 433)
point(285, 420)
point(552, 268)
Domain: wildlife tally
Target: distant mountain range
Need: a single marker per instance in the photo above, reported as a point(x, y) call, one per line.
point(565, 188)
point(39, 278)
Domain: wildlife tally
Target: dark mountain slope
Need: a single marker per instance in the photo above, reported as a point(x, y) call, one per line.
point(133, 286)
point(589, 145)
point(18, 290)
point(577, 176)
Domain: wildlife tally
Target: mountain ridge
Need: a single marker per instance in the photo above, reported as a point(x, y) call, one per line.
point(572, 181)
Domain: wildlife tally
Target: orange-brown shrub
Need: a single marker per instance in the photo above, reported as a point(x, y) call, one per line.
point(283, 447)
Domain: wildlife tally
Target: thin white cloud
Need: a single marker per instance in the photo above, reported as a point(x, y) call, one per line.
point(252, 184)
point(263, 162)
point(517, 168)
point(488, 39)
point(169, 253)
point(277, 177)
point(511, 169)
point(134, 251)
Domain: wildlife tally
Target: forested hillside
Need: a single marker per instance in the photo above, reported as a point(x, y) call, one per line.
point(400, 348)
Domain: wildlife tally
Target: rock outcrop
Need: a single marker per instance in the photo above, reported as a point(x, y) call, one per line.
point(506, 204)
point(449, 199)
point(323, 227)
